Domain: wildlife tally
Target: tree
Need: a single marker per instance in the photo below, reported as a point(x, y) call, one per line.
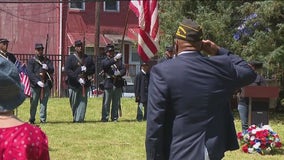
point(251, 29)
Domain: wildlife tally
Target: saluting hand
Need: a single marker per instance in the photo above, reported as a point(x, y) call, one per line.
point(210, 47)
point(117, 56)
point(81, 81)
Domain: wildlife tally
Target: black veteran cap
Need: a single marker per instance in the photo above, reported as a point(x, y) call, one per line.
point(109, 47)
point(189, 30)
point(78, 43)
point(39, 46)
point(2, 40)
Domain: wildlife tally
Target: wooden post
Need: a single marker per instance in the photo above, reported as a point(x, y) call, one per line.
point(97, 40)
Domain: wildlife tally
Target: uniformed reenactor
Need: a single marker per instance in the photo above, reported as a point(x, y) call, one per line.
point(79, 68)
point(4, 43)
point(40, 70)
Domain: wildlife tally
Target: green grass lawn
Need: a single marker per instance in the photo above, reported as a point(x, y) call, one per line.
point(123, 140)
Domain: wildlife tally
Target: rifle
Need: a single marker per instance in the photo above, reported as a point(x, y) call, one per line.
point(43, 73)
point(84, 45)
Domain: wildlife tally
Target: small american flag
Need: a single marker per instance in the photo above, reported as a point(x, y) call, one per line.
point(24, 77)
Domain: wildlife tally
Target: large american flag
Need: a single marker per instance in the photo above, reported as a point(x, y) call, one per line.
point(24, 77)
point(148, 36)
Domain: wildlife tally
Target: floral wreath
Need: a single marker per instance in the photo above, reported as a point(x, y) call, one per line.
point(260, 140)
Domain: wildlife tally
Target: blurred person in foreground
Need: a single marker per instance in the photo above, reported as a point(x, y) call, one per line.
point(141, 84)
point(18, 140)
point(189, 113)
point(243, 102)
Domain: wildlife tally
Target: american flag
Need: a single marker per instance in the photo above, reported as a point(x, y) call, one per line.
point(148, 36)
point(24, 77)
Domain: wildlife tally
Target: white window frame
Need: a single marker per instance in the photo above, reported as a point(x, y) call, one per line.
point(117, 7)
point(133, 50)
point(81, 9)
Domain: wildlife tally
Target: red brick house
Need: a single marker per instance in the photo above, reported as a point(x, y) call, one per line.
point(25, 24)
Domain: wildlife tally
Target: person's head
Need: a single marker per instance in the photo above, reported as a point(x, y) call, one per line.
point(39, 49)
point(256, 65)
point(145, 67)
point(169, 52)
point(188, 36)
point(4, 44)
point(11, 90)
point(109, 50)
point(78, 46)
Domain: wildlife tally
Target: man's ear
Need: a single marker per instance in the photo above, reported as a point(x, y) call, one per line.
point(176, 47)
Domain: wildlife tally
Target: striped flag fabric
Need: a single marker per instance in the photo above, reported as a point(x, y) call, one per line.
point(148, 36)
point(24, 77)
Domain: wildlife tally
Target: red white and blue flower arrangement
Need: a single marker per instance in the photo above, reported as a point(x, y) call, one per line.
point(260, 140)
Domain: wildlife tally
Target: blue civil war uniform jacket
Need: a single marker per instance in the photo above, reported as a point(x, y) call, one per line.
point(73, 70)
point(34, 68)
point(188, 106)
point(108, 68)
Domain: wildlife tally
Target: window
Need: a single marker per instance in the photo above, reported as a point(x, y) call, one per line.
point(77, 5)
point(134, 56)
point(111, 6)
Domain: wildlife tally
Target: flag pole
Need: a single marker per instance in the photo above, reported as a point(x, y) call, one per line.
point(97, 42)
point(125, 27)
point(121, 49)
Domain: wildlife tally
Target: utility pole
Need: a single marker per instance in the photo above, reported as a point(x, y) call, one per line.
point(97, 41)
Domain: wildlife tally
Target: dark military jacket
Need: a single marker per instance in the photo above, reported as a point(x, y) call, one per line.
point(34, 70)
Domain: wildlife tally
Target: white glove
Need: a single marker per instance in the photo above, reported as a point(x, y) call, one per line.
point(81, 81)
point(117, 73)
point(39, 83)
point(44, 66)
point(83, 69)
point(117, 56)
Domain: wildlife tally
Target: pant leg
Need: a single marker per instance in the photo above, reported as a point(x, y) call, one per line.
point(106, 106)
point(78, 104)
point(43, 104)
point(139, 116)
point(34, 102)
point(243, 111)
point(115, 103)
point(82, 106)
point(145, 111)
point(73, 96)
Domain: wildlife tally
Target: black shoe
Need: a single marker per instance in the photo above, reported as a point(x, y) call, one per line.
point(104, 120)
point(114, 120)
point(41, 121)
point(32, 122)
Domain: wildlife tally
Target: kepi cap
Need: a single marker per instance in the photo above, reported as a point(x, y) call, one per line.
point(189, 30)
point(109, 47)
point(2, 40)
point(39, 46)
point(144, 64)
point(78, 43)
point(11, 90)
